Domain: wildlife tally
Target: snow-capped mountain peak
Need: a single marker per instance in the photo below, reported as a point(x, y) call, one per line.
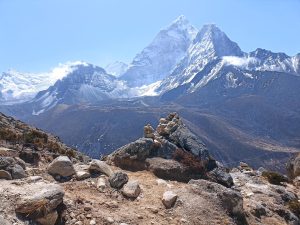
point(116, 68)
point(16, 87)
point(160, 57)
point(211, 41)
point(209, 44)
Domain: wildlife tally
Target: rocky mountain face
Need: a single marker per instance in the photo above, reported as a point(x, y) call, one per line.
point(209, 44)
point(116, 68)
point(61, 187)
point(160, 57)
point(86, 84)
point(212, 50)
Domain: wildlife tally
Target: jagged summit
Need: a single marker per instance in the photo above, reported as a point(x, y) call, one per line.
point(182, 23)
point(211, 38)
point(160, 57)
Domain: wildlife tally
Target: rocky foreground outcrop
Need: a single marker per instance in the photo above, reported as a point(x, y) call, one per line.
point(66, 190)
point(171, 151)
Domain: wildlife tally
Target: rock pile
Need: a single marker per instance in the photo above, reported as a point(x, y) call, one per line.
point(170, 137)
point(12, 168)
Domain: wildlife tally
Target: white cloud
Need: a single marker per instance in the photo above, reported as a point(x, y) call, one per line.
point(239, 61)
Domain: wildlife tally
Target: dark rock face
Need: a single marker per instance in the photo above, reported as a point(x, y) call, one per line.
point(184, 138)
point(169, 169)
point(221, 176)
point(157, 153)
point(17, 172)
point(11, 168)
point(30, 156)
point(133, 155)
point(118, 179)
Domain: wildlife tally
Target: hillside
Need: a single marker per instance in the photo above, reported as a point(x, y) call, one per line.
point(62, 190)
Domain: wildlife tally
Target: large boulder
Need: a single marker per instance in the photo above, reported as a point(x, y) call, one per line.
point(230, 200)
point(101, 167)
point(61, 166)
point(169, 169)
point(41, 203)
point(133, 155)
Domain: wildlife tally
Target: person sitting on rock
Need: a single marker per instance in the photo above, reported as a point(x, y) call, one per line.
point(148, 131)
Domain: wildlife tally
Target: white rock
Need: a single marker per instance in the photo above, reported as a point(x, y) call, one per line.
point(131, 189)
point(62, 166)
point(100, 166)
point(161, 182)
point(81, 175)
point(110, 220)
point(169, 199)
point(93, 222)
point(101, 184)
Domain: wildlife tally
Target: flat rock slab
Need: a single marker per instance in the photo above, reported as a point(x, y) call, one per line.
point(42, 201)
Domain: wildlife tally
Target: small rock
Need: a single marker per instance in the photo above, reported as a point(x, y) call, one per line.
point(131, 189)
point(5, 175)
point(118, 179)
point(20, 162)
point(34, 179)
point(242, 164)
point(259, 211)
point(101, 184)
point(220, 176)
point(161, 182)
point(183, 220)
point(6, 162)
point(110, 220)
point(87, 208)
point(169, 199)
point(93, 222)
point(49, 219)
point(100, 166)
point(62, 166)
point(17, 172)
point(81, 175)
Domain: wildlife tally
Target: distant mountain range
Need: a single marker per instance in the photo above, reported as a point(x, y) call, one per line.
point(235, 101)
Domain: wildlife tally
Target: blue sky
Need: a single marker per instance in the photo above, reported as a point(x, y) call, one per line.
point(36, 35)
